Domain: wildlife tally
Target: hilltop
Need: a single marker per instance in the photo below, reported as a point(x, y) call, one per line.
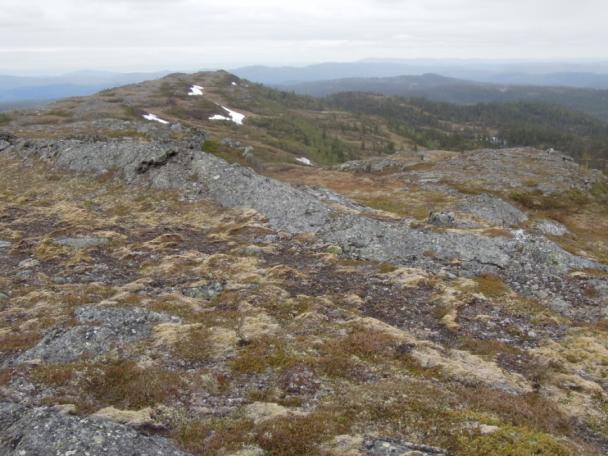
point(282, 127)
point(203, 265)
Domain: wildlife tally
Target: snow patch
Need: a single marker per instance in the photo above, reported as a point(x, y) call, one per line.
point(304, 161)
point(196, 90)
point(233, 116)
point(153, 117)
point(234, 84)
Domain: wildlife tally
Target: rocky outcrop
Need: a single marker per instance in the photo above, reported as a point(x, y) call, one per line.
point(98, 331)
point(493, 210)
point(181, 166)
point(46, 431)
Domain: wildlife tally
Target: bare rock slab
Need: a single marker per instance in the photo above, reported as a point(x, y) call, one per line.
point(45, 431)
point(98, 332)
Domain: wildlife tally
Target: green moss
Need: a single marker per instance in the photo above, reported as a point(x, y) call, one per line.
point(514, 441)
point(120, 383)
point(194, 347)
point(536, 200)
point(385, 204)
point(211, 436)
point(300, 435)
point(261, 355)
point(211, 146)
point(387, 268)
point(4, 119)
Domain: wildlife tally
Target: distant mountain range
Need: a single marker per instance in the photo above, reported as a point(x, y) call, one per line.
point(580, 86)
point(19, 90)
point(582, 75)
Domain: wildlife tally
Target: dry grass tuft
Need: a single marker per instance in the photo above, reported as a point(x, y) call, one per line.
point(491, 286)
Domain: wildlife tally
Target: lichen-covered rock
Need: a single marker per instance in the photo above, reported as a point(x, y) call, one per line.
point(99, 330)
point(389, 447)
point(44, 431)
point(492, 210)
point(551, 228)
point(445, 219)
point(209, 291)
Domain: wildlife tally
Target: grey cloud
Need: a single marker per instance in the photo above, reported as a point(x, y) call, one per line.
point(195, 33)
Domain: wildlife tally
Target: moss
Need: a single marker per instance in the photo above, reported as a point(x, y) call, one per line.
point(286, 310)
point(529, 410)
point(300, 435)
point(385, 204)
point(513, 441)
point(211, 146)
point(335, 250)
point(47, 249)
point(537, 200)
point(487, 348)
point(467, 187)
point(260, 355)
point(119, 383)
point(367, 344)
point(125, 385)
point(18, 341)
point(213, 436)
point(194, 347)
point(346, 357)
point(387, 268)
point(491, 285)
point(414, 410)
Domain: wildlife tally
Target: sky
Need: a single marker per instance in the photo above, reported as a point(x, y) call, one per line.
point(50, 36)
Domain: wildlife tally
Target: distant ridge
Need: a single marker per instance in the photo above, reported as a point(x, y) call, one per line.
point(581, 75)
point(16, 90)
point(462, 92)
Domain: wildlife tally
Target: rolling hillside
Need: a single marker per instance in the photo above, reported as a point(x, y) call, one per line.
point(185, 271)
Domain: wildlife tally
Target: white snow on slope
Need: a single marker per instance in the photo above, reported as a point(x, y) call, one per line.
point(234, 84)
point(234, 116)
point(304, 161)
point(196, 90)
point(153, 117)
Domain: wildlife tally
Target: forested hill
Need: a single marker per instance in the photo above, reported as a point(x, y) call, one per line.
point(464, 92)
point(444, 125)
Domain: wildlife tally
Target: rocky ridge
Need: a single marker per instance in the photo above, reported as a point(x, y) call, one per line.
point(157, 299)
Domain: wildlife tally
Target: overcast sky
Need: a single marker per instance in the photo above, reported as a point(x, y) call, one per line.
point(61, 35)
